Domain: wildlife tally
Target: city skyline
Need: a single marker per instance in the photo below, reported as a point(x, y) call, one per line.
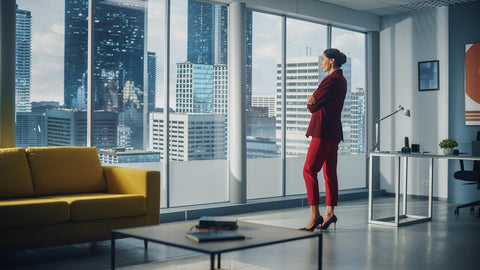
point(48, 42)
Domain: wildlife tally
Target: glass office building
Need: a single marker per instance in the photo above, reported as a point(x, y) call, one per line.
point(119, 61)
point(194, 88)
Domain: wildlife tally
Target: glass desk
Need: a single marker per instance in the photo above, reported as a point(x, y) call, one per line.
point(400, 219)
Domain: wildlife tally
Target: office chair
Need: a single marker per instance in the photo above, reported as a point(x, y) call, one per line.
point(473, 177)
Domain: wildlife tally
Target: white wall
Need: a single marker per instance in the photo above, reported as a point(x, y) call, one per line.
point(404, 41)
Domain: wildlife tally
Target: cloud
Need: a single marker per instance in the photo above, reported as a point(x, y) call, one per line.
point(263, 49)
point(47, 64)
point(58, 29)
point(351, 43)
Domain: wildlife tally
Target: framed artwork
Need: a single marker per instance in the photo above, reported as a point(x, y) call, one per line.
point(472, 84)
point(428, 75)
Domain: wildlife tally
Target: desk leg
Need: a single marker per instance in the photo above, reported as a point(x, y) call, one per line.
point(397, 192)
point(370, 189)
point(320, 253)
point(430, 189)
point(219, 260)
point(405, 179)
point(112, 252)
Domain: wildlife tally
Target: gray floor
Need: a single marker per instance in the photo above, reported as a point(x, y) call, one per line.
point(447, 242)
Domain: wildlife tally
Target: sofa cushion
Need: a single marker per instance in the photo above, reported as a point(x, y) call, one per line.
point(65, 170)
point(85, 207)
point(32, 212)
point(15, 178)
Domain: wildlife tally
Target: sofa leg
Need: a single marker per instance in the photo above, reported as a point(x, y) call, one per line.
point(145, 243)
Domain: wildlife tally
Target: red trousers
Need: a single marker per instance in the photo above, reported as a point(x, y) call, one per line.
point(322, 154)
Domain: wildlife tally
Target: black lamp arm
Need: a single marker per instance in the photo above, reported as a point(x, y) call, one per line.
point(385, 117)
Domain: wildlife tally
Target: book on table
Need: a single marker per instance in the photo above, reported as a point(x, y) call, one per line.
point(213, 222)
point(214, 236)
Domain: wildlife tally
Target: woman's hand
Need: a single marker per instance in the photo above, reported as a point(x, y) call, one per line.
point(311, 100)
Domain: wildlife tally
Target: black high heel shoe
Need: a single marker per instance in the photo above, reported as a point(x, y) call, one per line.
point(317, 223)
point(333, 220)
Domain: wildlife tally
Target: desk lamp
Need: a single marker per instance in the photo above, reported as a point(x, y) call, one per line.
point(377, 124)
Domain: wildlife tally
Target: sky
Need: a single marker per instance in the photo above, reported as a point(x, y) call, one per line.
point(48, 49)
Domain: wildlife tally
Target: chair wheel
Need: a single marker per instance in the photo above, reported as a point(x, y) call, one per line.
point(457, 212)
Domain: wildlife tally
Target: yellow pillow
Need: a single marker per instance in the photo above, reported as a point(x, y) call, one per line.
point(15, 179)
point(65, 170)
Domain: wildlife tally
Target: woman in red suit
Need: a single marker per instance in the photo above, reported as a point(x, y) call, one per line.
point(325, 128)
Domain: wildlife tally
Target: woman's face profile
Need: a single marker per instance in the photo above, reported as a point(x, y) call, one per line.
point(326, 63)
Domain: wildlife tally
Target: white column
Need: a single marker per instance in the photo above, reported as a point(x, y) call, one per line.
point(237, 110)
point(90, 69)
point(166, 106)
point(7, 73)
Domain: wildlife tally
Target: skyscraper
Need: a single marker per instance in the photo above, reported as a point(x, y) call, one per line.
point(207, 33)
point(358, 138)
point(208, 38)
point(194, 88)
point(152, 80)
point(303, 77)
point(23, 60)
point(120, 53)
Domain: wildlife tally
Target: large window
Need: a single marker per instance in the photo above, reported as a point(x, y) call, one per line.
point(199, 103)
point(39, 80)
point(305, 43)
point(132, 98)
point(263, 145)
point(353, 45)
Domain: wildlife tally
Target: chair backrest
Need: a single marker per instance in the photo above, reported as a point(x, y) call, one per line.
point(476, 152)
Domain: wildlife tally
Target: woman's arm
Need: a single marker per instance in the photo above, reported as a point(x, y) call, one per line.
point(321, 95)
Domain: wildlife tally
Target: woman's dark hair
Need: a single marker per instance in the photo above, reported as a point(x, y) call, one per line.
point(339, 57)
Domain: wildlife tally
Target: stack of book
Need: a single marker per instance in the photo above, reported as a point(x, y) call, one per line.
point(213, 228)
point(217, 223)
point(210, 236)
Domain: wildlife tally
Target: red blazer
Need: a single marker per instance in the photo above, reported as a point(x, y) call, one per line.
point(326, 122)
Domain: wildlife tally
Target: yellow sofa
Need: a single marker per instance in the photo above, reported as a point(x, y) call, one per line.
point(63, 195)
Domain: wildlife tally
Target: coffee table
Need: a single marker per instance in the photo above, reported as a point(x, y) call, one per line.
point(257, 235)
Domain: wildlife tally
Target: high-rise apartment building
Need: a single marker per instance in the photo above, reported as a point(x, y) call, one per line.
point(303, 77)
point(357, 137)
point(23, 60)
point(266, 101)
point(119, 46)
point(192, 136)
point(304, 74)
point(220, 89)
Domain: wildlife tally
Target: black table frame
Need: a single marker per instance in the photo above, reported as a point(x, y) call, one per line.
point(174, 235)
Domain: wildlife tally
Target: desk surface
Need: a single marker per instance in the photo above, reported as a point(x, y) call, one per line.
point(423, 155)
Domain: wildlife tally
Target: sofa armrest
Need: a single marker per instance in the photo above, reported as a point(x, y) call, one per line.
point(122, 180)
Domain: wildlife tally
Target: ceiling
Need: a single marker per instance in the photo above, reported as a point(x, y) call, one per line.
point(391, 7)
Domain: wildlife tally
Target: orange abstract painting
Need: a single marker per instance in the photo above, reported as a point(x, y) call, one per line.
point(472, 84)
